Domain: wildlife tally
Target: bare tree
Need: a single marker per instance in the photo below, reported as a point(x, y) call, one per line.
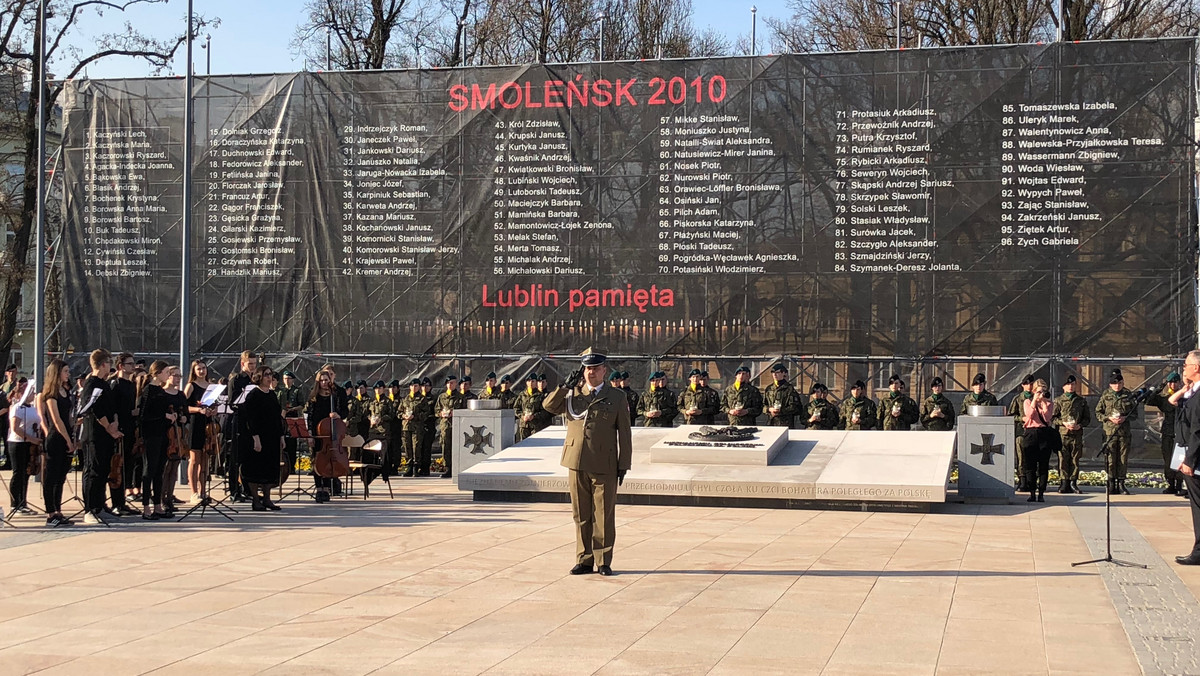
point(19, 57)
point(362, 34)
point(835, 25)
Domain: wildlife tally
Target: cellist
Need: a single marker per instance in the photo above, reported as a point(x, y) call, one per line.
point(325, 401)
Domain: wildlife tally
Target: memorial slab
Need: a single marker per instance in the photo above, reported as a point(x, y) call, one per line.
point(678, 447)
point(479, 434)
point(830, 469)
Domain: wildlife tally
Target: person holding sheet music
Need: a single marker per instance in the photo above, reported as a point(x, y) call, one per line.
point(156, 420)
point(194, 391)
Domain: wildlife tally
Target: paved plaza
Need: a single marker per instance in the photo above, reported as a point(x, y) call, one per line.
point(433, 583)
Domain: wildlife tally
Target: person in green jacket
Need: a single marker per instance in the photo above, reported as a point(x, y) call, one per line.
point(821, 414)
point(1115, 410)
point(858, 411)
point(782, 401)
point(657, 404)
point(1071, 415)
point(694, 402)
point(741, 401)
point(978, 396)
point(937, 411)
point(1016, 409)
point(897, 411)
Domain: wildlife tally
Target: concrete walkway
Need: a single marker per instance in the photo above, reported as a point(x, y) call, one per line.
point(433, 583)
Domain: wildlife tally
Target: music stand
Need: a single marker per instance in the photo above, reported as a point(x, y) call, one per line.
point(297, 428)
point(207, 502)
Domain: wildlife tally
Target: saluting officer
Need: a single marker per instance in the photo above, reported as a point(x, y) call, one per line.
point(821, 413)
point(597, 452)
point(657, 405)
point(782, 401)
point(897, 410)
point(1016, 408)
point(742, 401)
point(858, 411)
point(1071, 415)
point(695, 403)
point(937, 411)
point(1115, 409)
point(978, 396)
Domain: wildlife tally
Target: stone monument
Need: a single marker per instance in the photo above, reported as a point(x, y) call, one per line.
point(481, 432)
point(986, 449)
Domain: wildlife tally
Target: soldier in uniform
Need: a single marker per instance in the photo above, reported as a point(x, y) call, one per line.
point(657, 404)
point(897, 410)
point(1016, 408)
point(395, 445)
point(447, 402)
point(350, 389)
point(490, 389)
point(937, 411)
point(782, 401)
point(820, 413)
point(356, 422)
point(524, 407)
point(426, 456)
point(858, 411)
point(695, 403)
point(464, 389)
point(742, 401)
point(630, 395)
point(508, 398)
point(381, 412)
point(1115, 409)
point(1071, 415)
point(597, 453)
point(413, 410)
point(978, 396)
point(541, 417)
point(1161, 401)
point(292, 401)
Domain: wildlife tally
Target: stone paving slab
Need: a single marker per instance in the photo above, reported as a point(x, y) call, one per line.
point(433, 583)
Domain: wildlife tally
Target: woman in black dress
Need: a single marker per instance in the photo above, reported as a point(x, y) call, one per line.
point(262, 439)
point(200, 415)
point(54, 407)
point(327, 400)
point(176, 446)
point(154, 405)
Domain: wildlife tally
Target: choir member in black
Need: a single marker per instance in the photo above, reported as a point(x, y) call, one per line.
point(262, 439)
point(248, 364)
point(125, 395)
point(326, 401)
point(24, 442)
point(177, 404)
point(54, 407)
point(200, 416)
point(101, 434)
point(156, 420)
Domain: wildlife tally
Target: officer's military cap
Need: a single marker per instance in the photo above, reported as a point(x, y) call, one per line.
point(590, 358)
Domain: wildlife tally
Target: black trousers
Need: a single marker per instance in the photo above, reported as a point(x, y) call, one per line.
point(18, 486)
point(1193, 485)
point(97, 462)
point(1037, 460)
point(57, 464)
point(152, 469)
point(132, 470)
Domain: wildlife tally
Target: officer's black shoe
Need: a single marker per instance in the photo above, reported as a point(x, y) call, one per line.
point(581, 569)
point(605, 571)
point(1169, 490)
point(1189, 560)
point(1032, 497)
point(1182, 492)
point(1065, 487)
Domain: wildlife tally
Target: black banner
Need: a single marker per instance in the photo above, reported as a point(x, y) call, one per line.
point(990, 201)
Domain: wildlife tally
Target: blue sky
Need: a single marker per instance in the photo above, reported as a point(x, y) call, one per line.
point(255, 35)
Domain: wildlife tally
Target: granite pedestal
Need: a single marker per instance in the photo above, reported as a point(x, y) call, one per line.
point(986, 450)
point(480, 434)
point(677, 447)
point(814, 469)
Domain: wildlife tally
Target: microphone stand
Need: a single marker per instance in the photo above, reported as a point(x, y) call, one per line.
point(1106, 451)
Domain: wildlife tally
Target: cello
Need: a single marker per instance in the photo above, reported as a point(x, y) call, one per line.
point(331, 459)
